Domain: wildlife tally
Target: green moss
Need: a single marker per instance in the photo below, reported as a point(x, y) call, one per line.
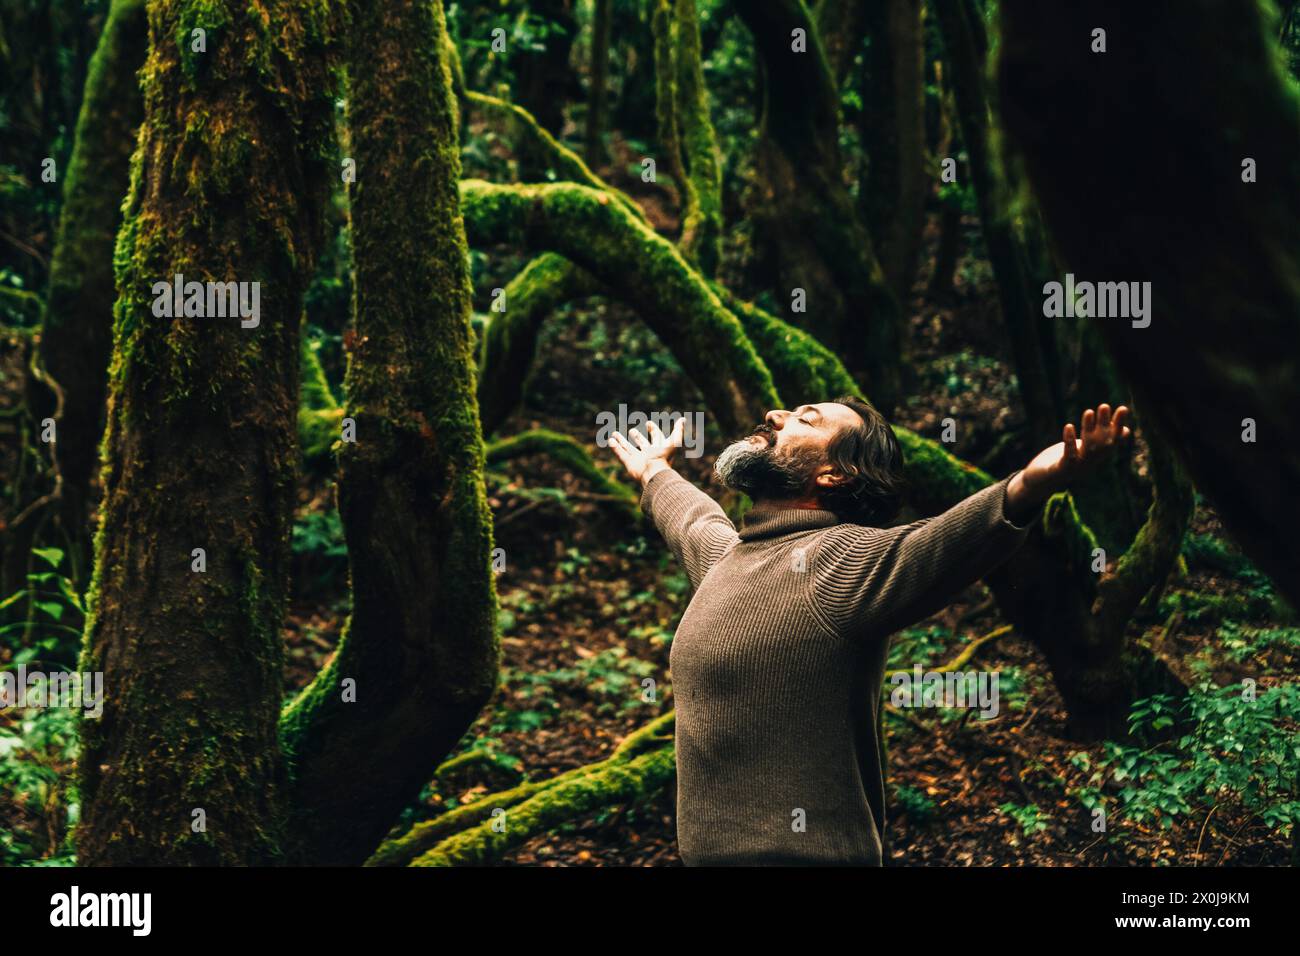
point(702, 224)
point(320, 417)
point(632, 261)
point(410, 489)
point(509, 341)
point(617, 782)
point(532, 139)
point(424, 836)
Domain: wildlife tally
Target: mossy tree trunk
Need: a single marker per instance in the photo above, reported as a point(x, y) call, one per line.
point(966, 46)
point(419, 652)
point(228, 184)
point(892, 127)
point(701, 161)
point(1115, 143)
point(598, 90)
point(687, 141)
point(77, 336)
point(810, 232)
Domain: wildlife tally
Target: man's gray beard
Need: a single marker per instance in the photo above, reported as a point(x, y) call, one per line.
point(760, 472)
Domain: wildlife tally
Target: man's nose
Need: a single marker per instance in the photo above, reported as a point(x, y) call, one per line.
point(776, 417)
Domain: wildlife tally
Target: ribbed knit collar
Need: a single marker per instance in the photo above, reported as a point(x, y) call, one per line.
point(772, 520)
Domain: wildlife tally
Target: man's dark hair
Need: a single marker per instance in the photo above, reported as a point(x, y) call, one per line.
point(871, 460)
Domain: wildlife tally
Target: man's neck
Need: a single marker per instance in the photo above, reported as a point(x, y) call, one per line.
point(808, 503)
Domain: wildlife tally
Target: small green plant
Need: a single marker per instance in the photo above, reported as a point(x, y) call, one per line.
point(919, 645)
point(915, 804)
point(616, 676)
point(37, 752)
point(46, 617)
point(1242, 642)
point(1029, 816)
point(319, 550)
point(1240, 750)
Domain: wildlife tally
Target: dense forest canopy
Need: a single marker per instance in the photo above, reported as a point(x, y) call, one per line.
point(313, 313)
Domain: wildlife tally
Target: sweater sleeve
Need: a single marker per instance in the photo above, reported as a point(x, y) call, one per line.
point(693, 524)
point(876, 580)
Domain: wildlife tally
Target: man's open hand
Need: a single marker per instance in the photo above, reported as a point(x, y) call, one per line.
point(645, 457)
point(1076, 456)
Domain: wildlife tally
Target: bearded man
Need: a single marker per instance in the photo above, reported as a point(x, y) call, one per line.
point(778, 663)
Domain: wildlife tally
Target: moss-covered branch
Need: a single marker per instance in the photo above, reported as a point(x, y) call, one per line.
point(426, 835)
point(509, 340)
point(1150, 559)
point(631, 261)
point(619, 782)
point(320, 416)
point(531, 139)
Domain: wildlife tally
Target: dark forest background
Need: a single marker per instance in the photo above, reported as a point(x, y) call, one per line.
point(557, 207)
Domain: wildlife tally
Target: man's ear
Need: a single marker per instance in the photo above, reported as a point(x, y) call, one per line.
point(827, 477)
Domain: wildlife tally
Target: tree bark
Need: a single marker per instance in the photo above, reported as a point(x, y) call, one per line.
point(702, 224)
point(892, 127)
point(1130, 196)
point(804, 216)
point(229, 183)
point(966, 45)
point(597, 92)
point(420, 650)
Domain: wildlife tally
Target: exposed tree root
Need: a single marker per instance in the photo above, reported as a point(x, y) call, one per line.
point(426, 837)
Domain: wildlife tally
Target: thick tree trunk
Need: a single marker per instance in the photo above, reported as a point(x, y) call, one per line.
point(229, 184)
point(892, 126)
point(418, 658)
point(810, 233)
point(1136, 157)
point(966, 45)
point(77, 338)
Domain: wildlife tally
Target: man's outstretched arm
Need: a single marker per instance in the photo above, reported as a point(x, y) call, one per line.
point(884, 579)
point(695, 527)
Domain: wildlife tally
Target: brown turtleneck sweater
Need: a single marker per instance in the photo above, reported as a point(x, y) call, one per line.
point(778, 664)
